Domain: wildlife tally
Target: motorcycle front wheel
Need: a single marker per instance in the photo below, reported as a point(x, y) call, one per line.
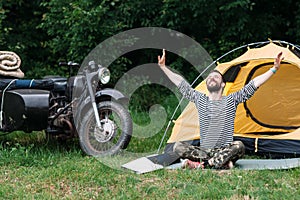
point(113, 135)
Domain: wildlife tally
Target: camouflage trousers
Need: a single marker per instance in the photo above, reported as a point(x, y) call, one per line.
point(219, 157)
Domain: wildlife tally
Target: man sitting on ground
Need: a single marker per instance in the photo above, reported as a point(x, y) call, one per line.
point(216, 118)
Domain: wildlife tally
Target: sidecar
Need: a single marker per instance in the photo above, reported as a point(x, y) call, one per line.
point(24, 104)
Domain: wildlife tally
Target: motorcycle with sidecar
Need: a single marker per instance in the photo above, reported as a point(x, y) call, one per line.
point(77, 106)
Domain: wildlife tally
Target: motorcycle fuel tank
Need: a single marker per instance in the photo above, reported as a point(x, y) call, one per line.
point(25, 109)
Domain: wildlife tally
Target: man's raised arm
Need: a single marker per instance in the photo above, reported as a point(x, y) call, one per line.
point(175, 78)
point(261, 79)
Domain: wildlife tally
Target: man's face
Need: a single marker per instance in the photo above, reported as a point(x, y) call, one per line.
point(214, 82)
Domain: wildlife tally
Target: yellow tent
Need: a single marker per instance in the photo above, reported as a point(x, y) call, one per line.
point(269, 122)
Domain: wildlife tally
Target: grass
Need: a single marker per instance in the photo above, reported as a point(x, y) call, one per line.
point(31, 167)
point(54, 172)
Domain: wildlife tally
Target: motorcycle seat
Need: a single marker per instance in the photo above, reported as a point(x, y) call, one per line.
point(59, 83)
point(10, 84)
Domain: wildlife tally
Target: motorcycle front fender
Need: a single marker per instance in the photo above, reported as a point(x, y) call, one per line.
point(107, 94)
point(111, 94)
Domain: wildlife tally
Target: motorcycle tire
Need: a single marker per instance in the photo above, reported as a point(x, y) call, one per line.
point(115, 132)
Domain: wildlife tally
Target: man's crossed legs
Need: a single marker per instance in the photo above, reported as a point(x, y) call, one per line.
point(219, 158)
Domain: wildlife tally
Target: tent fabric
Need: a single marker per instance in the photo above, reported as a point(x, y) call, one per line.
point(271, 114)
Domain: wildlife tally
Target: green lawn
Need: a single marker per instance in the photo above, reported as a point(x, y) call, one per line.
point(39, 169)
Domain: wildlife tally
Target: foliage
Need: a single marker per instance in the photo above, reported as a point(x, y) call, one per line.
point(70, 29)
point(44, 32)
point(19, 32)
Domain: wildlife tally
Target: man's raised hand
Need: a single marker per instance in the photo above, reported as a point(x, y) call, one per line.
point(278, 60)
point(162, 59)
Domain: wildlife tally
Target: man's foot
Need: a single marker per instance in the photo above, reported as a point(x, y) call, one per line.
point(229, 165)
point(188, 164)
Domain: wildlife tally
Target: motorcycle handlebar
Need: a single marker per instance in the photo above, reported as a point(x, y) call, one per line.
point(68, 64)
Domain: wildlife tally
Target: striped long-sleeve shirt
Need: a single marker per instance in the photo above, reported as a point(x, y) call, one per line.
point(216, 117)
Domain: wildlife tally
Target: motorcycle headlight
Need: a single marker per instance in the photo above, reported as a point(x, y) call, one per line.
point(104, 75)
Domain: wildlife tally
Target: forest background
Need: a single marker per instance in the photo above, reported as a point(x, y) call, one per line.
point(44, 32)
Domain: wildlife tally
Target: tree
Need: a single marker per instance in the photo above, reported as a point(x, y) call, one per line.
point(44, 32)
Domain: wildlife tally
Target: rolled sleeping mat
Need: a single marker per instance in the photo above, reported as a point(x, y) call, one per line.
point(10, 64)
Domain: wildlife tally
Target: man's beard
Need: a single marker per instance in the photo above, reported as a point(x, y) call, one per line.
point(214, 88)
